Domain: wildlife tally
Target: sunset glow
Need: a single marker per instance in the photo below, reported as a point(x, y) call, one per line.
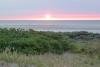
point(54, 17)
point(47, 17)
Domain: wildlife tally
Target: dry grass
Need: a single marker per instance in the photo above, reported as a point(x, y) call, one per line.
point(51, 60)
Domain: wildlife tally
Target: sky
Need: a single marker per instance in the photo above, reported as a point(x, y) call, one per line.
point(38, 8)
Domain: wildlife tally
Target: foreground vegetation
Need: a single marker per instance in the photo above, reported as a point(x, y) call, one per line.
point(48, 60)
point(38, 47)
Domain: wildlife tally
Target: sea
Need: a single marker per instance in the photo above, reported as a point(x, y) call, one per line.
point(54, 25)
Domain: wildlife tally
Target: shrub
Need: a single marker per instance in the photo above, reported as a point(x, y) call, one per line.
point(35, 42)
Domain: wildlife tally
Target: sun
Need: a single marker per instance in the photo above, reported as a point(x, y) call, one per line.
point(48, 17)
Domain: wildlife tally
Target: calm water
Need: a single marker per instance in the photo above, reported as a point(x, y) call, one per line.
point(45, 25)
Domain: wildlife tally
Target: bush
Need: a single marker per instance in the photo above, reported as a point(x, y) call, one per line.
point(35, 42)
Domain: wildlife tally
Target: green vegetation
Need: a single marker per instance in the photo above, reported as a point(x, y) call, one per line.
point(35, 42)
point(34, 47)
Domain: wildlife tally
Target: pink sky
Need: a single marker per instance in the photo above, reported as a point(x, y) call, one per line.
point(55, 16)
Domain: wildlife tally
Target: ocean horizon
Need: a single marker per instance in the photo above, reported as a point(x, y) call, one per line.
point(53, 25)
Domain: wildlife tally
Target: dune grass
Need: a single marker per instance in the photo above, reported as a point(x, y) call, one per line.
point(51, 60)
